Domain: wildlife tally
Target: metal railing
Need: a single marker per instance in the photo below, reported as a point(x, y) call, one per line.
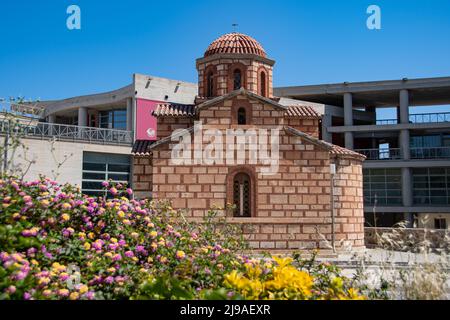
point(430, 153)
point(381, 154)
point(67, 132)
point(420, 118)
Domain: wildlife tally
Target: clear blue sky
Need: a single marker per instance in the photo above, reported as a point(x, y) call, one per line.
point(312, 41)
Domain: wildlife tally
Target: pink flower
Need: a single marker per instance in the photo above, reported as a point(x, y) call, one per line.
point(117, 257)
point(129, 254)
point(129, 191)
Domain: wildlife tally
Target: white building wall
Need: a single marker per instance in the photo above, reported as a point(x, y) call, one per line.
point(46, 160)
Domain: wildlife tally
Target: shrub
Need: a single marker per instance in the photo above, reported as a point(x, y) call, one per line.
point(59, 244)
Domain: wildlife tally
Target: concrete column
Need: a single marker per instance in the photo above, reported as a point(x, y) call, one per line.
point(82, 116)
point(326, 123)
point(348, 119)
point(129, 114)
point(404, 141)
point(404, 118)
point(407, 192)
point(404, 106)
point(51, 118)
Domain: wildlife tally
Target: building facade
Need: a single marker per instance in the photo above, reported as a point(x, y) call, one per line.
point(406, 173)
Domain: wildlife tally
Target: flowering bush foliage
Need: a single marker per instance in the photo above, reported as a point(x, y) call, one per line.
point(56, 243)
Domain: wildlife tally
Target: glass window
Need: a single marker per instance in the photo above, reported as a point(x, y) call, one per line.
point(99, 167)
point(382, 187)
point(114, 119)
point(241, 195)
point(431, 186)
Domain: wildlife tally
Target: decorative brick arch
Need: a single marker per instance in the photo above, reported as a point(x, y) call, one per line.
point(249, 170)
point(231, 68)
point(211, 69)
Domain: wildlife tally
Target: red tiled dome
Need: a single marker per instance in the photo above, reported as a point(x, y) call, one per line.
point(235, 43)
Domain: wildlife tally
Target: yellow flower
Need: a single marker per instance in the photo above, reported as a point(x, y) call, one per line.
point(121, 214)
point(91, 235)
point(74, 296)
point(283, 262)
point(66, 206)
point(108, 254)
point(180, 254)
point(153, 234)
point(65, 217)
point(87, 246)
point(83, 289)
point(113, 240)
point(34, 262)
point(45, 203)
point(111, 270)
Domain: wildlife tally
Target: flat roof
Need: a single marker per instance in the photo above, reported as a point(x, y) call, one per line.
point(423, 92)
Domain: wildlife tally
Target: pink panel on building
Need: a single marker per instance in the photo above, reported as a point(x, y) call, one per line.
point(146, 123)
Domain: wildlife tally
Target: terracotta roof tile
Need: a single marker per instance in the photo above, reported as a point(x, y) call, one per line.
point(303, 112)
point(174, 110)
point(235, 43)
point(140, 147)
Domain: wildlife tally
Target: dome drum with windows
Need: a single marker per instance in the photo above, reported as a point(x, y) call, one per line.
point(235, 61)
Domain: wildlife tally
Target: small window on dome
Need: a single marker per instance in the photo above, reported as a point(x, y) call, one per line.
point(237, 83)
point(210, 85)
point(263, 83)
point(241, 116)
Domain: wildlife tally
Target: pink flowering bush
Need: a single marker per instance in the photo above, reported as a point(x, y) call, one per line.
point(56, 243)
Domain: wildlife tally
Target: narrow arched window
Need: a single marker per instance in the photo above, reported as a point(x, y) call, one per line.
point(262, 82)
point(241, 195)
point(241, 116)
point(210, 85)
point(237, 79)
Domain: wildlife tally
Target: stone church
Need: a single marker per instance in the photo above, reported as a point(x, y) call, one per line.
point(314, 199)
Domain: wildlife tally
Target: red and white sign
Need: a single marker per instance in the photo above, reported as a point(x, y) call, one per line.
point(146, 124)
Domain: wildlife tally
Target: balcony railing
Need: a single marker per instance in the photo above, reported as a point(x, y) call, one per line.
point(381, 154)
point(420, 118)
point(41, 130)
point(430, 153)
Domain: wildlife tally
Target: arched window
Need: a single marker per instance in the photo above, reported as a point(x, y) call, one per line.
point(241, 195)
point(241, 116)
point(262, 83)
point(210, 84)
point(237, 79)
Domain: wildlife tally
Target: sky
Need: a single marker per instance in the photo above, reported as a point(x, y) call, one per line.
point(313, 42)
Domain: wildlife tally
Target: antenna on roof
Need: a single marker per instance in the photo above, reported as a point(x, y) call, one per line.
point(235, 25)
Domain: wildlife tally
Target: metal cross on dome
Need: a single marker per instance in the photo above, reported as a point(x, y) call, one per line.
point(235, 25)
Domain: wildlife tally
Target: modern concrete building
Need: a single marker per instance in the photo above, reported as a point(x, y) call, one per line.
point(407, 171)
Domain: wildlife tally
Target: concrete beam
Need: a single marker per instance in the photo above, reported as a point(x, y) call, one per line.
point(391, 127)
point(412, 209)
point(397, 164)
